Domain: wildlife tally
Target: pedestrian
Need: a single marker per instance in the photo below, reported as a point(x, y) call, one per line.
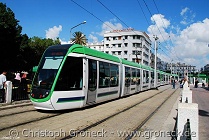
point(203, 84)
point(16, 86)
point(17, 80)
point(23, 83)
point(173, 82)
point(3, 79)
point(196, 83)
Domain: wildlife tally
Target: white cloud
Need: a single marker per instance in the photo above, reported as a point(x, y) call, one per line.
point(159, 27)
point(64, 42)
point(160, 20)
point(189, 45)
point(192, 42)
point(53, 32)
point(183, 11)
point(109, 26)
point(93, 38)
point(164, 57)
point(106, 26)
point(187, 15)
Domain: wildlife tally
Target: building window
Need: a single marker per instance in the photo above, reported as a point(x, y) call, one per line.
point(133, 52)
point(119, 45)
point(125, 52)
point(138, 37)
point(138, 45)
point(114, 38)
point(119, 38)
point(126, 44)
point(134, 36)
point(133, 59)
point(119, 53)
point(107, 38)
point(126, 37)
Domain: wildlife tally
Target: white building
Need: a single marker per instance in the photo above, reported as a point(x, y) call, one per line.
point(128, 44)
point(97, 46)
point(181, 68)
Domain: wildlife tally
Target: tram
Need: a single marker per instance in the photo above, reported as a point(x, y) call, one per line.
point(74, 76)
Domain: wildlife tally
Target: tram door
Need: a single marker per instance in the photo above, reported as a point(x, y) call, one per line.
point(92, 81)
point(127, 80)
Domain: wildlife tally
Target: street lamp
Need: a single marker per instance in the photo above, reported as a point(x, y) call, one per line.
point(155, 72)
point(76, 26)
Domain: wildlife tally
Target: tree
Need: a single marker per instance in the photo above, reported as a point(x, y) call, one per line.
point(19, 52)
point(79, 38)
point(10, 38)
point(32, 52)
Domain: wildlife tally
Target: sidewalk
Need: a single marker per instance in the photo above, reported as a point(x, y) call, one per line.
point(163, 123)
point(201, 97)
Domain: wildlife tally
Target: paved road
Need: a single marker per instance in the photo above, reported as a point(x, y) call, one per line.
point(201, 97)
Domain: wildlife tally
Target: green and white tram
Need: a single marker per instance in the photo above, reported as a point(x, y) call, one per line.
point(73, 76)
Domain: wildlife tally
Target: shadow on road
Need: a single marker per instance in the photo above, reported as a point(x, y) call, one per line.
point(203, 113)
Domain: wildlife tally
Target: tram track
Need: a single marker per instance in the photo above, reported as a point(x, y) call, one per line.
point(3, 107)
point(23, 114)
point(14, 113)
point(77, 132)
point(148, 118)
point(27, 122)
point(47, 117)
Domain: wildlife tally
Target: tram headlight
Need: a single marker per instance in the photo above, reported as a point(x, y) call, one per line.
point(47, 92)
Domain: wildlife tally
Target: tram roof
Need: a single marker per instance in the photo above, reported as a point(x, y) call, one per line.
point(76, 48)
point(130, 63)
point(146, 67)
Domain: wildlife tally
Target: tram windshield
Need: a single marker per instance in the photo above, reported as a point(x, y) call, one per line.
point(48, 68)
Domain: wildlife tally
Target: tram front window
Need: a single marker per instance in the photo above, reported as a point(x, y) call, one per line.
point(46, 73)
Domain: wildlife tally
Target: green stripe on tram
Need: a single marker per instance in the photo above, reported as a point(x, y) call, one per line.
point(130, 63)
point(87, 51)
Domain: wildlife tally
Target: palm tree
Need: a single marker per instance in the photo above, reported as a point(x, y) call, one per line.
point(79, 38)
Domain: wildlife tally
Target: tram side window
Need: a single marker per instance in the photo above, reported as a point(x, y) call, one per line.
point(161, 77)
point(104, 74)
point(133, 76)
point(167, 78)
point(152, 77)
point(144, 77)
point(158, 76)
point(92, 82)
point(138, 77)
point(147, 76)
point(71, 75)
point(127, 76)
point(114, 73)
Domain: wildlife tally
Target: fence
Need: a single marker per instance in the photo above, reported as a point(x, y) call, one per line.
point(17, 92)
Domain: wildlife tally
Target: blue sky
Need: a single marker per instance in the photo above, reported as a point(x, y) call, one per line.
point(181, 25)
